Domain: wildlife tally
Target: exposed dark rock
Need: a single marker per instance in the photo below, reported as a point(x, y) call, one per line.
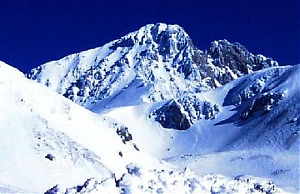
point(182, 113)
point(120, 154)
point(50, 157)
point(263, 103)
point(124, 134)
point(171, 115)
point(123, 42)
point(237, 57)
point(198, 109)
point(53, 190)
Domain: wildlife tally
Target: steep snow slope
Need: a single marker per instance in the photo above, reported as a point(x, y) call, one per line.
point(157, 62)
point(47, 139)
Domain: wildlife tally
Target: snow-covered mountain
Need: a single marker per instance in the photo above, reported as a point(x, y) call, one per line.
point(157, 62)
point(151, 106)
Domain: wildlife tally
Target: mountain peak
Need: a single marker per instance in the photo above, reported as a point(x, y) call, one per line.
point(159, 28)
point(169, 38)
point(159, 59)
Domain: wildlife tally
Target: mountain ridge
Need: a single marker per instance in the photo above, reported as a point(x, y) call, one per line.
point(160, 57)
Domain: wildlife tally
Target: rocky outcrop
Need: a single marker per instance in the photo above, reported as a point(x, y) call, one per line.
point(261, 104)
point(172, 115)
point(182, 113)
point(198, 108)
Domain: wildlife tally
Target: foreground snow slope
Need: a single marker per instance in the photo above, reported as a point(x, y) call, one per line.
point(47, 139)
point(138, 180)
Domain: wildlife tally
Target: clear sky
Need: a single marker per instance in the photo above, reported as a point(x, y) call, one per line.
point(33, 32)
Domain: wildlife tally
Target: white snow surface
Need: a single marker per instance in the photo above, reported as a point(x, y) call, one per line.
point(137, 180)
point(222, 156)
point(36, 122)
point(264, 146)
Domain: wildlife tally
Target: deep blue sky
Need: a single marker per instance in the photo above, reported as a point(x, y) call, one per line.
point(33, 32)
